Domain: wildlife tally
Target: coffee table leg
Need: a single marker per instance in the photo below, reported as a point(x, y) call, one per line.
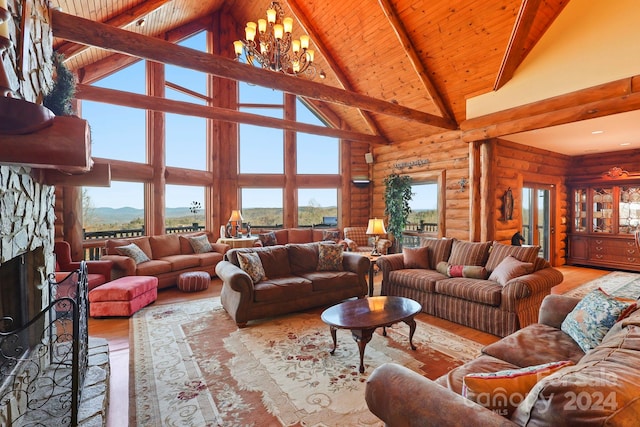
point(362, 337)
point(412, 329)
point(333, 335)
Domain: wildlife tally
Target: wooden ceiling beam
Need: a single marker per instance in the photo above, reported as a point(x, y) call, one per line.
point(515, 53)
point(615, 97)
point(414, 58)
point(104, 36)
point(69, 50)
point(129, 99)
point(323, 50)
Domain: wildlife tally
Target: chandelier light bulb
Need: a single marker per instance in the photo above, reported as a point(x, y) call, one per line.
point(271, 16)
point(304, 41)
point(237, 47)
point(295, 46)
point(262, 25)
point(288, 25)
point(278, 31)
point(250, 32)
point(310, 55)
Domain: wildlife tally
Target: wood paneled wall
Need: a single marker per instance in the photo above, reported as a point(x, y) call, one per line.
point(447, 161)
point(594, 166)
point(489, 167)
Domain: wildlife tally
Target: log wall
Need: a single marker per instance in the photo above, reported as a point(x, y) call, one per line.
point(490, 167)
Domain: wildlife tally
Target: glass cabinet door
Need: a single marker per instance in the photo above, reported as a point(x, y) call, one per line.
point(602, 210)
point(580, 210)
point(629, 209)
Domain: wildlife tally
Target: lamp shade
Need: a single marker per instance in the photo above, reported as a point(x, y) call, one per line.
point(236, 216)
point(376, 227)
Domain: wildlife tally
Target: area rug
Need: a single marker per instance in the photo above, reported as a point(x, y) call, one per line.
point(191, 366)
point(618, 283)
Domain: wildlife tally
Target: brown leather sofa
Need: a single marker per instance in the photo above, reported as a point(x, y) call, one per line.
point(292, 281)
point(479, 303)
point(169, 254)
point(601, 389)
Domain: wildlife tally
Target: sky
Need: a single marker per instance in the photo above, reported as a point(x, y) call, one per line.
point(119, 133)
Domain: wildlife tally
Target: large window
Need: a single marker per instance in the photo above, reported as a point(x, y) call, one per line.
point(186, 136)
point(317, 206)
point(262, 207)
point(118, 207)
point(184, 206)
point(315, 154)
point(118, 132)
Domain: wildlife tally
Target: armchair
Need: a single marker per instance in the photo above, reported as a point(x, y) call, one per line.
point(357, 240)
point(99, 271)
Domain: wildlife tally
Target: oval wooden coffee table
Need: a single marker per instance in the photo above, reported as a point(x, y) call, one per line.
point(363, 316)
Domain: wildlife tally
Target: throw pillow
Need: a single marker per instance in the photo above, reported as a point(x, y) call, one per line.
point(200, 244)
point(351, 244)
point(510, 268)
point(503, 391)
point(469, 253)
point(468, 271)
point(251, 264)
point(593, 316)
point(268, 239)
point(133, 251)
point(500, 251)
point(329, 257)
point(416, 257)
point(332, 235)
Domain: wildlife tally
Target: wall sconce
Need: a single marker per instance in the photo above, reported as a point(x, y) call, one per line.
point(463, 185)
point(360, 181)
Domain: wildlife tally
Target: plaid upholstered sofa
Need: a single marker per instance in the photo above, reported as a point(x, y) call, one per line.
point(487, 286)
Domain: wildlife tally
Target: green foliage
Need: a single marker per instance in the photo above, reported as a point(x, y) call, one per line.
point(58, 100)
point(397, 195)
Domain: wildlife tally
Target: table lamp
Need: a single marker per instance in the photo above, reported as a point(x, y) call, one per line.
point(376, 228)
point(236, 221)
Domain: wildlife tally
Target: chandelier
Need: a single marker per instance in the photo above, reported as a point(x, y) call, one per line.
point(270, 44)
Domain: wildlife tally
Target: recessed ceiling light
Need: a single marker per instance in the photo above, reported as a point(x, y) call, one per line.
point(624, 144)
point(597, 132)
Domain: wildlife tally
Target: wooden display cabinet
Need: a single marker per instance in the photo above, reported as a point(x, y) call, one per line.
point(605, 215)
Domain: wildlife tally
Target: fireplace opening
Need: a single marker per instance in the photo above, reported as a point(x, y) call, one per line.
point(22, 286)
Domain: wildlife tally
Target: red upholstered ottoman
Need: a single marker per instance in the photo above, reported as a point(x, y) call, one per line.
point(123, 296)
point(193, 281)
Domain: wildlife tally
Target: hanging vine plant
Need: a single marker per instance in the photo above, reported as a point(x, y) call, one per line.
point(397, 195)
point(58, 100)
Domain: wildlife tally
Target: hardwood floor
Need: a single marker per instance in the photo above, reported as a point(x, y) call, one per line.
point(116, 331)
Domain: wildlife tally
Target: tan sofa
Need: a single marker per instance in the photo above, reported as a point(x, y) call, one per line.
point(601, 389)
point(480, 303)
point(169, 254)
point(292, 282)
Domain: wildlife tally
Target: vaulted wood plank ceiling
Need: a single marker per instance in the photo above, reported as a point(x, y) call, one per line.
point(428, 55)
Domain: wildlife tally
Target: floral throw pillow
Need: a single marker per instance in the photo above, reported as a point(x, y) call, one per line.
point(330, 257)
point(593, 316)
point(251, 264)
point(200, 244)
point(268, 239)
point(133, 251)
point(332, 235)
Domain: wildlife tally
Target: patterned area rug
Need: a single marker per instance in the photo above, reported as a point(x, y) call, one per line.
point(191, 366)
point(618, 283)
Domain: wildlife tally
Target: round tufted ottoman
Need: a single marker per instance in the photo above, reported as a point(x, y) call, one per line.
point(193, 281)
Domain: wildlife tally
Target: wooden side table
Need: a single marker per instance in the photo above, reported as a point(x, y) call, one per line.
point(238, 242)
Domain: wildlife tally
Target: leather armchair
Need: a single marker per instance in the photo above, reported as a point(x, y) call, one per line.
point(99, 271)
